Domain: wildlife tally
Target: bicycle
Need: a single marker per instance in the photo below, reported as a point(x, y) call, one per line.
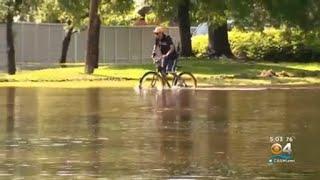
point(155, 79)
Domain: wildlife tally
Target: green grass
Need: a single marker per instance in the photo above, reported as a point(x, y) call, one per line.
point(208, 73)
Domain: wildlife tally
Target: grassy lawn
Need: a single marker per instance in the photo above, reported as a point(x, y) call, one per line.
point(208, 73)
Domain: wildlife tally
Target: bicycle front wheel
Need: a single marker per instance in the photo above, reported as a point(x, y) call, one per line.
point(186, 80)
point(151, 80)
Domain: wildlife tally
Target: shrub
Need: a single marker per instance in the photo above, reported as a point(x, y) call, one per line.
point(200, 45)
point(271, 44)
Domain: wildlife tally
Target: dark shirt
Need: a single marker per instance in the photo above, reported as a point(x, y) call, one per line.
point(165, 44)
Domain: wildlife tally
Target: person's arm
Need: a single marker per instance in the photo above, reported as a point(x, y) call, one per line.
point(154, 50)
point(170, 50)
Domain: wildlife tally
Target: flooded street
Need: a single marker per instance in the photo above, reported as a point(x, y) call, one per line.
point(118, 133)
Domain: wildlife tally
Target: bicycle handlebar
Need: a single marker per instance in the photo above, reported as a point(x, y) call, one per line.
point(156, 59)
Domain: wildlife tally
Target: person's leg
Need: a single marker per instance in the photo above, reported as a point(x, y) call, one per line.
point(159, 66)
point(171, 66)
point(165, 63)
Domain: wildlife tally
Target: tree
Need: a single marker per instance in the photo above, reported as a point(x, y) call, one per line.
point(303, 14)
point(295, 13)
point(107, 7)
point(73, 14)
point(184, 27)
point(257, 14)
point(214, 12)
point(250, 14)
point(93, 38)
point(10, 9)
point(10, 44)
point(219, 41)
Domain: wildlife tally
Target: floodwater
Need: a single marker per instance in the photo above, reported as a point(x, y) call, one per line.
point(178, 134)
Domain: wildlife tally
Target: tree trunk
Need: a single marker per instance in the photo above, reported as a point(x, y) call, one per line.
point(93, 38)
point(218, 41)
point(10, 46)
point(184, 28)
point(96, 40)
point(65, 46)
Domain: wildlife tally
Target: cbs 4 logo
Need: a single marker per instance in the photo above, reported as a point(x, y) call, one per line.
point(276, 148)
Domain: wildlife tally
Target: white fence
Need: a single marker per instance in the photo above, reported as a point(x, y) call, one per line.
point(42, 43)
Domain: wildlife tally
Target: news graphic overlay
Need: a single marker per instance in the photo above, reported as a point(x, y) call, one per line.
point(281, 149)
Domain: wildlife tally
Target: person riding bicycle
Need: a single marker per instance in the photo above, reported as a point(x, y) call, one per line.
point(167, 49)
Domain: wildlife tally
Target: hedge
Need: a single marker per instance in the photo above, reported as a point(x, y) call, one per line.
point(271, 44)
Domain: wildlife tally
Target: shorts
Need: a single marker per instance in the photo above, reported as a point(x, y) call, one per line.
point(167, 65)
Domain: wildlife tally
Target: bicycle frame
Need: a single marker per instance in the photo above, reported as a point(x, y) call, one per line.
point(164, 76)
point(179, 79)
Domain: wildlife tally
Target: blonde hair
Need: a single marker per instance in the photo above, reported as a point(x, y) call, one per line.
point(159, 29)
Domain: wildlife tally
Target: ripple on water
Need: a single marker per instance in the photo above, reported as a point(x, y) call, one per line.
point(152, 136)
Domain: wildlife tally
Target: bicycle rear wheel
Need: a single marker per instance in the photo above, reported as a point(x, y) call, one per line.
point(151, 80)
point(186, 80)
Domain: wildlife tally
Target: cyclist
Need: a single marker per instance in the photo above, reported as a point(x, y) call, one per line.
point(169, 54)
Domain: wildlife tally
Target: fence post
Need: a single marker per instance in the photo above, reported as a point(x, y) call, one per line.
point(49, 42)
point(115, 45)
point(129, 46)
point(104, 45)
point(35, 52)
point(21, 43)
point(141, 46)
point(75, 36)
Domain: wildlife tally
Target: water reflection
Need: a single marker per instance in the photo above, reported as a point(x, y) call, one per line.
point(174, 123)
point(10, 108)
point(93, 120)
point(218, 124)
point(18, 131)
point(10, 111)
point(303, 110)
point(97, 133)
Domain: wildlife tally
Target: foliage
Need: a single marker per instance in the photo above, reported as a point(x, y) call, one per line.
point(200, 45)
point(75, 13)
point(71, 13)
point(275, 44)
point(251, 14)
point(272, 44)
point(302, 13)
point(21, 9)
point(126, 19)
point(257, 14)
point(164, 10)
point(211, 11)
point(152, 18)
point(117, 12)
